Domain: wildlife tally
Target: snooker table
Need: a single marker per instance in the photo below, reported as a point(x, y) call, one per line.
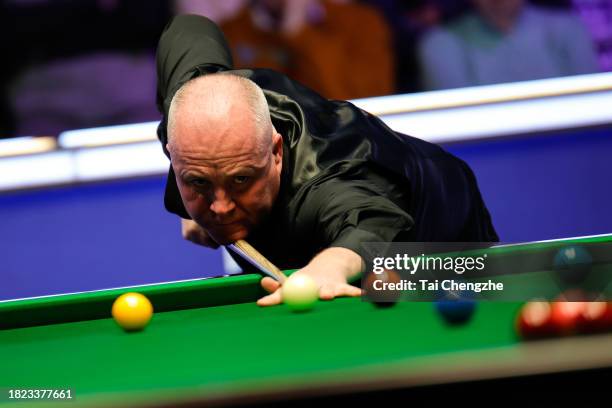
point(210, 344)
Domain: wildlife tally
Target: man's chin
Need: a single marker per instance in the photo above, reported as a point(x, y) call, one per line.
point(230, 238)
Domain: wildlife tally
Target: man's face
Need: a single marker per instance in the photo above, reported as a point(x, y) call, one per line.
point(228, 177)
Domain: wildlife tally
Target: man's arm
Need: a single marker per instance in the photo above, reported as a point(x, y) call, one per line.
point(343, 214)
point(187, 47)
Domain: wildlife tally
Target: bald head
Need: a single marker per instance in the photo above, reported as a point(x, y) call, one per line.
point(216, 101)
point(226, 155)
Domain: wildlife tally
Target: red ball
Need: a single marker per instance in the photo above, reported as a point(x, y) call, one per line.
point(566, 317)
point(596, 317)
point(534, 320)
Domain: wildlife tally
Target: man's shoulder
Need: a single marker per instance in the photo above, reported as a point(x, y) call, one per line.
point(271, 80)
point(290, 100)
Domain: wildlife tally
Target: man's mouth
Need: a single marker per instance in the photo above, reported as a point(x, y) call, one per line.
point(225, 224)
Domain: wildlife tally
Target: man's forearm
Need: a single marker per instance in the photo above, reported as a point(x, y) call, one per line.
point(338, 260)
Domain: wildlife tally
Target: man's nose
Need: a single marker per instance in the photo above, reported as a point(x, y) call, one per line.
point(222, 203)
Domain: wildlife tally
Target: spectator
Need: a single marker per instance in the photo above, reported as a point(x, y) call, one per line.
point(343, 50)
point(505, 41)
point(597, 14)
point(81, 63)
point(217, 10)
point(408, 21)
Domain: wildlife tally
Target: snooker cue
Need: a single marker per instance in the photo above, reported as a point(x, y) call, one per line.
point(252, 252)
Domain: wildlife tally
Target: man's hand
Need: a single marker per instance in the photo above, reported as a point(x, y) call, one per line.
point(196, 234)
point(331, 270)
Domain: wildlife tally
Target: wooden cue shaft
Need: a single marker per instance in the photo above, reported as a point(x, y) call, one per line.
point(249, 250)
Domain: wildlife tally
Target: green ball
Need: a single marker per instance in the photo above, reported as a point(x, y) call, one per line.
point(573, 264)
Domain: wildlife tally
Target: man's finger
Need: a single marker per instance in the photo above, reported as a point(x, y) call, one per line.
point(273, 299)
point(212, 244)
point(348, 290)
point(327, 292)
point(207, 240)
point(269, 284)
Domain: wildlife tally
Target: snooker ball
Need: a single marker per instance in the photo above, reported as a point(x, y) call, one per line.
point(596, 317)
point(572, 264)
point(566, 317)
point(373, 283)
point(534, 320)
point(300, 292)
point(456, 307)
point(132, 311)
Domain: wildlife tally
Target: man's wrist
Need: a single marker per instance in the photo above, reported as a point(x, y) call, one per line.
point(339, 260)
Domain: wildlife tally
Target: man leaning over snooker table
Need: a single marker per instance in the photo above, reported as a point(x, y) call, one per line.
point(304, 179)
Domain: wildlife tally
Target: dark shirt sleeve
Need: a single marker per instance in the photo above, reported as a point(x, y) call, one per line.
point(347, 213)
point(189, 46)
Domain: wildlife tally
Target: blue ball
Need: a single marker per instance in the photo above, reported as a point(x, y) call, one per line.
point(456, 307)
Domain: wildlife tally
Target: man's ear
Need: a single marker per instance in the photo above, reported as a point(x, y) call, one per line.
point(169, 149)
point(277, 147)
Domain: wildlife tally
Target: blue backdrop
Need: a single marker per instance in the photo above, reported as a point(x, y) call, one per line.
point(117, 233)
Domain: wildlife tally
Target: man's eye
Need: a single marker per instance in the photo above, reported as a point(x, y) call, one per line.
point(198, 182)
point(241, 179)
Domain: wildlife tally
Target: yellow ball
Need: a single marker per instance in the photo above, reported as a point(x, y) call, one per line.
point(300, 292)
point(132, 311)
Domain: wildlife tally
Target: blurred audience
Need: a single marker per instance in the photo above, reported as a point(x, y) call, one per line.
point(84, 63)
point(409, 20)
point(217, 10)
point(341, 49)
point(80, 63)
point(505, 41)
point(97, 89)
point(597, 14)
